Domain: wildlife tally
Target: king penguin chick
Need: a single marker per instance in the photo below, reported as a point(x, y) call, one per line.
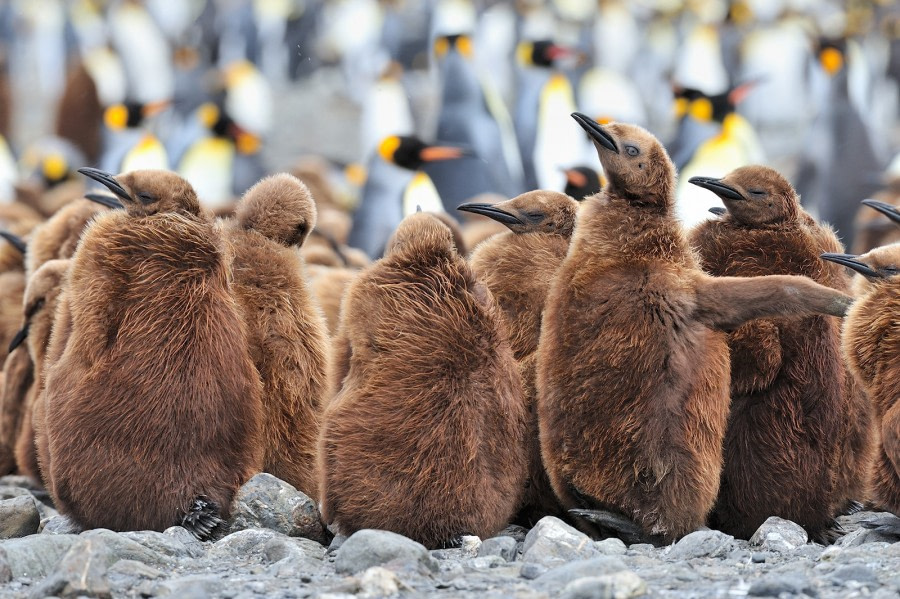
point(870, 343)
point(426, 436)
point(517, 267)
point(632, 367)
point(153, 409)
point(286, 330)
point(798, 444)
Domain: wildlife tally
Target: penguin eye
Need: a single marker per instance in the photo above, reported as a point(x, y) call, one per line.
point(632, 151)
point(145, 197)
point(534, 216)
point(33, 308)
point(757, 192)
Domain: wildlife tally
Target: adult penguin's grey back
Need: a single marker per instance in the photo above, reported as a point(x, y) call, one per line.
point(380, 207)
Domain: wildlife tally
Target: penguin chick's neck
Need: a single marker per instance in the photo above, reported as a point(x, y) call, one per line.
point(619, 231)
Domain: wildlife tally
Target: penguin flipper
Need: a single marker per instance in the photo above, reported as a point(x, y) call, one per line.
point(202, 519)
point(616, 525)
point(851, 507)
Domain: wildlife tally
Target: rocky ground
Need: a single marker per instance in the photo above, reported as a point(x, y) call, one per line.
point(277, 547)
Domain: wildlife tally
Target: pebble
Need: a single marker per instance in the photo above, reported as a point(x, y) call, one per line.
point(598, 566)
point(59, 525)
point(265, 501)
point(367, 548)
point(621, 585)
point(611, 546)
point(81, 572)
point(19, 516)
point(778, 534)
point(121, 547)
point(774, 585)
point(701, 543)
point(32, 557)
point(857, 573)
point(505, 547)
point(378, 582)
point(553, 542)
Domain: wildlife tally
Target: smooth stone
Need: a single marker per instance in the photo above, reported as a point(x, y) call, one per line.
point(702, 543)
point(191, 587)
point(33, 556)
point(611, 546)
point(778, 534)
point(280, 548)
point(378, 582)
point(82, 572)
point(367, 548)
point(486, 562)
point(775, 584)
point(553, 542)
point(59, 525)
point(243, 544)
point(160, 543)
point(532, 571)
point(121, 547)
point(856, 573)
point(132, 569)
point(505, 547)
point(621, 585)
point(265, 501)
point(597, 566)
point(19, 517)
point(195, 547)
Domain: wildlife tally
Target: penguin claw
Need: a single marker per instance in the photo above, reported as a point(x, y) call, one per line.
point(617, 525)
point(852, 507)
point(451, 543)
point(827, 535)
point(202, 519)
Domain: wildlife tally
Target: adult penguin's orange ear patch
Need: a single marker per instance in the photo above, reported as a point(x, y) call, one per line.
point(116, 117)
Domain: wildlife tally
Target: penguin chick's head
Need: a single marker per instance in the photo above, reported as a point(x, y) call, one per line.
point(636, 165)
point(147, 192)
point(412, 153)
point(754, 195)
point(539, 211)
point(419, 234)
point(877, 267)
point(280, 208)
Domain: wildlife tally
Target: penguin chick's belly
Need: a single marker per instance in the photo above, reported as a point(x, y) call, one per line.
point(635, 417)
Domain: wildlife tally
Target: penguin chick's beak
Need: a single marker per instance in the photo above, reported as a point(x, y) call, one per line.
point(14, 240)
point(501, 216)
point(438, 153)
point(718, 210)
point(106, 179)
point(597, 133)
point(886, 209)
point(104, 200)
point(726, 192)
point(851, 261)
point(19, 338)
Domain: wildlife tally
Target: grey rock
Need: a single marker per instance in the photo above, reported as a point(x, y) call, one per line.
point(295, 566)
point(367, 548)
point(621, 585)
point(131, 569)
point(32, 557)
point(194, 546)
point(21, 481)
point(760, 557)
point(336, 543)
point(19, 517)
point(740, 556)
point(14, 491)
point(553, 542)
point(268, 502)
point(160, 543)
point(486, 562)
point(532, 571)
point(469, 544)
point(81, 572)
point(243, 544)
point(191, 587)
point(515, 531)
point(702, 543)
point(863, 536)
point(778, 534)
point(59, 525)
point(505, 547)
point(279, 548)
point(775, 584)
point(121, 547)
point(610, 546)
point(856, 573)
point(561, 576)
point(378, 582)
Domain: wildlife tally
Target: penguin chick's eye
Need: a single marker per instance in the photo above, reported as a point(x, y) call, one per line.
point(33, 308)
point(534, 216)
point(757, 192)
point(145, 197)
point(632, 151)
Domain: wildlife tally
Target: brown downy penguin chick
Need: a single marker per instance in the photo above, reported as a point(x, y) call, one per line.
point(153, 411)
point(870, 344)
point(798, 443)
point(328, 286)
point(286, 330)
point(17, 379)
point(12, 285)
point(632, 367)
point(426, 436)
point(518, 266)
point(873, 229)
point(41, 298)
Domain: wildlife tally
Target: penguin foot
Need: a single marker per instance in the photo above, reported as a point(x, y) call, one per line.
point(827, 535)
point(202, 519)
point(852, 507)
point(453, 542)
point(617, 525)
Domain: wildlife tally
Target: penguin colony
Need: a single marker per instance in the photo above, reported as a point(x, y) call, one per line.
point(603, 350)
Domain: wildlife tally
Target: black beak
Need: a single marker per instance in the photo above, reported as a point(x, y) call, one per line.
point(718, 210)
point(501, 216)
point(104, 200)
point(106, 179)
point(14, 240)
point(726, 192)
point(19, 338)
point(886, 209)
point(850, 261)
point(597, 133)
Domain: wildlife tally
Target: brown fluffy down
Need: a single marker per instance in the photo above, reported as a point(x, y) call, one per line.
point(17, 379)
point(426, 436)
point(328, 286)
point(518, 267)
point(871, 345)
point(286, 330)
point(633, 369)
point(798, 443)
point(154, 400)
point(59, 235)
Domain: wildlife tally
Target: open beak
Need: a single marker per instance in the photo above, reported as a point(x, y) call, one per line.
point(438, 153)
point(726, 192)
point(851, 261)
point(597, 133)
point(14, 240)
point(886, 209)
point(106, 179)
point(718, 210)
point(19, 338)
point(492, 212)
point(104, 200)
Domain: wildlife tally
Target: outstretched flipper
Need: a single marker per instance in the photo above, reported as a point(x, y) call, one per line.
point(617, 525)
point(202, 519)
